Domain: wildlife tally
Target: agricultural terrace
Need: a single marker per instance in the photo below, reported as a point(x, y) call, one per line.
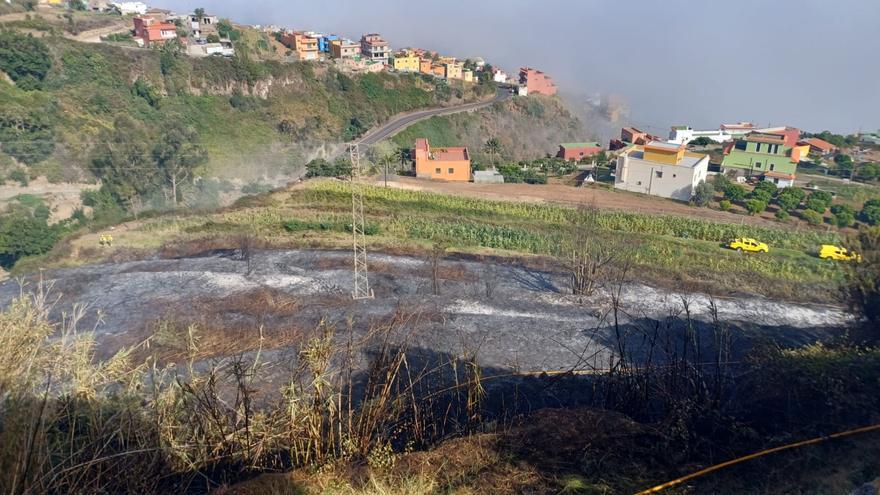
point(665, 250)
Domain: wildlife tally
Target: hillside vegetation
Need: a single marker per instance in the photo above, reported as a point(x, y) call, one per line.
point(526, 128)
point(248, 114)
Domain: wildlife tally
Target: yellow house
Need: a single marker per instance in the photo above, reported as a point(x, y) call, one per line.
point(467, 75)
point(665, 153)
point(406, 62)
point(804, 151)
point(453, 70)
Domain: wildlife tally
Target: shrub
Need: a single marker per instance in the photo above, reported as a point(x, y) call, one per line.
point(735, 192)
point(761, 195)
point(724, 205)
point(782, 215)
point(812, 217)
point(843, 219)
point(819, 201)
point(767, 187)
point(703, 194)
point(19, 176)
point(870, 213)
point(24, 57)
point(755, 206)
point(790, 198)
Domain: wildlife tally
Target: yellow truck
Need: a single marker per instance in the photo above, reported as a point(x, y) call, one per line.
point(749, 245)
point(837, 253)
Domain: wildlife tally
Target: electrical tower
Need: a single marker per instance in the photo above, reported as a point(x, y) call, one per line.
point(361, 280)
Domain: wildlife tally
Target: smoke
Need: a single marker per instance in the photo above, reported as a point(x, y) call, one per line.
point(806, 63)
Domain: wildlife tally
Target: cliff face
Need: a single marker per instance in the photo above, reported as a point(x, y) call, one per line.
point(527, 127)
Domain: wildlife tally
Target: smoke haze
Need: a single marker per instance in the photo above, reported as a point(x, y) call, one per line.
point(809, 63)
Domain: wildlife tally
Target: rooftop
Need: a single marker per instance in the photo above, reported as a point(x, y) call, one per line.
point(662, 145)
point(690, 160)
point(449, 154)
point(591, 144)
point(764, 137)
point(819, 143)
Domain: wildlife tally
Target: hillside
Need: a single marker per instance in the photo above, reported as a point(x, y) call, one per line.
point(249, 115)
point(526, 128)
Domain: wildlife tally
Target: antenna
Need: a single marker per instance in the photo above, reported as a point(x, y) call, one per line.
point(361, 280)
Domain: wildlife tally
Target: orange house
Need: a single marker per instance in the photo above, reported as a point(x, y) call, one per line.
point(452, 164)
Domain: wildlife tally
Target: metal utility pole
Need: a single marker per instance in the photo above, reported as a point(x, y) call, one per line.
point(361, 280)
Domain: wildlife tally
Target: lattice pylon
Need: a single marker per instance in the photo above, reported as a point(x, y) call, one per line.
point(361, 275)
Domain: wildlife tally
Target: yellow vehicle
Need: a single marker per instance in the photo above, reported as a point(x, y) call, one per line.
point(106, 240)
point(749, 245)
point(829, 252)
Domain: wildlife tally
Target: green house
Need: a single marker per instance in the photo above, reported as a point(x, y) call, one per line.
point(761, 153)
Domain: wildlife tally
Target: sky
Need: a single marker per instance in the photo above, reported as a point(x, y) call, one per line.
point(806, 63)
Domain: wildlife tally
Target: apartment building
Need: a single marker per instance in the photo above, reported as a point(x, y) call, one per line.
point(305, 45)
point(344, 48)
point(406, 62)
point(451, 164)
point(661, 169)
point(375, 48)
point(536, 82)
point(452, 70)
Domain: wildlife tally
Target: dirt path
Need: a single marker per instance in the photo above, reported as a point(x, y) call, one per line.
point(62, 199)
point(561, 194)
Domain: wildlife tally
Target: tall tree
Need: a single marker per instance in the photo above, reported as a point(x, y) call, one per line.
point(493, 149)
point(177, 154)
point(122, 161)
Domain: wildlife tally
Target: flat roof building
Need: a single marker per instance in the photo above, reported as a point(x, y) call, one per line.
point(451, 164)
point(536, 81)
point(661, 169)
point(577, 151)
point(375, 48)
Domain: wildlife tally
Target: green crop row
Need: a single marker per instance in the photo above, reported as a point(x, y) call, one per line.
point(415, 202)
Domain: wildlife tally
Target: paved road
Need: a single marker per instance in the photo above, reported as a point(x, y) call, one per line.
point(401, 122)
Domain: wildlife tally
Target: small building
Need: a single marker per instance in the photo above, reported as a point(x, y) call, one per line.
point(870, 138)
point(467, 75)
point(451, 164)
point(150, 32)
point(406, 62)
point(426, 66)
point(762, 152)
point(305, 46)
point(819, 146)
point(98, 5)
point(488, 177)
point(201, 27)
point(577, 151)
point(130, 8)
point(661, 169)
point(499, 76)
point(324, 42)
point(375, 48)
point(452, 70)
point(536, 82)
point(344, 48)
point(632, 135)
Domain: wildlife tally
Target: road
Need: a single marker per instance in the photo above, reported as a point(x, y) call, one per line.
point(403, 121)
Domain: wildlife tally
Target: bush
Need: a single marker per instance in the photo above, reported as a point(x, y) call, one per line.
point(755, 206)
point(767, 187)
point(843, 219)
point(19, 176)
point(320, 167)
point(870, 213)
point(819, 201)
point(735, 192)
point(24, 57)
point(724, 205)
point(703, 194)
point(812, 217)
point(782, 215)
point(790, 198)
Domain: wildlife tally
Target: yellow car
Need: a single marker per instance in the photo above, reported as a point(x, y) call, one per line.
point(749, 245)
point(829, 252)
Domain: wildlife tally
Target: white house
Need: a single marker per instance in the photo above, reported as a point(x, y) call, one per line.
point(683, 134)
point(129, 8)
point(661, 169)
point(499, 76)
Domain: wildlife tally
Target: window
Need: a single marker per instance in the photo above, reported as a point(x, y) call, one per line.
point(757, 164)
point(758, 147)
point(639, 183)
point(740, 145)
point(674, 176)
point(437, 171)
point(451, 170)
point(772, 166)
point(659, 174)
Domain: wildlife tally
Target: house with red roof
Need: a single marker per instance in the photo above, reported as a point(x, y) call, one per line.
point(819, 146)
point(149, 31)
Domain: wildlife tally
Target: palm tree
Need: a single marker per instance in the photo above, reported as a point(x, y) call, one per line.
point(401, 155)
point(492, 148)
